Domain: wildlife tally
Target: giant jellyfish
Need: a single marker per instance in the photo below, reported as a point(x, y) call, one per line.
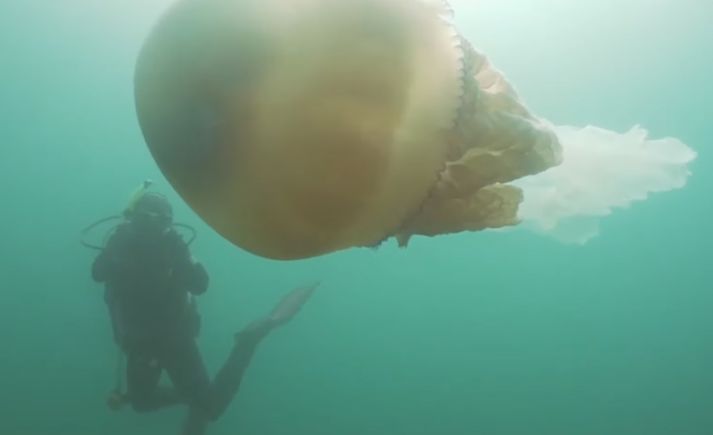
point(297, 128)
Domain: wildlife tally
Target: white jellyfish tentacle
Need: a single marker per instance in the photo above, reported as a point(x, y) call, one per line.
point(602, 170)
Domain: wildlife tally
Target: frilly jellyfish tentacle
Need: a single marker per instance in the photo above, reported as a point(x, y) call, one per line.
point(495, 140)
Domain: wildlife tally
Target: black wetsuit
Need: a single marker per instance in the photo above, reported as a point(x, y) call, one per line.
point(149, 282)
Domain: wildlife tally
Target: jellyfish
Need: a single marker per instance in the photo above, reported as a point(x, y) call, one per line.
point(304, 127)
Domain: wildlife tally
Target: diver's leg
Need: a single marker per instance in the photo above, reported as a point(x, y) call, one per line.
point(207, 401)
point(227, 382)
point(142, 376)
point(184, 365)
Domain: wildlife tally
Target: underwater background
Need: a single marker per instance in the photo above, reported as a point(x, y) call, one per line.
point(476, 333)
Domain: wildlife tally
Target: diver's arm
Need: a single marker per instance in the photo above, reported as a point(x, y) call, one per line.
point(197, 279)
point(192, 277)
point(189, 273)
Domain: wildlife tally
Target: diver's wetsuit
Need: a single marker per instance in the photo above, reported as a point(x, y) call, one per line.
point(150, 280)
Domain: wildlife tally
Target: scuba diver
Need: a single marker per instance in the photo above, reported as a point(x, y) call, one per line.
point(151, 280)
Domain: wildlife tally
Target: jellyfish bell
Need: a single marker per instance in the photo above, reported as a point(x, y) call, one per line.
point(303, 127)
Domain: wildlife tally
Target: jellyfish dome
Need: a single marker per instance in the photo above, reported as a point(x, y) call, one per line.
point(299, 128)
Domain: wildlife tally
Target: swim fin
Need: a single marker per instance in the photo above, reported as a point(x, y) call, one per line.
point(291, 304)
